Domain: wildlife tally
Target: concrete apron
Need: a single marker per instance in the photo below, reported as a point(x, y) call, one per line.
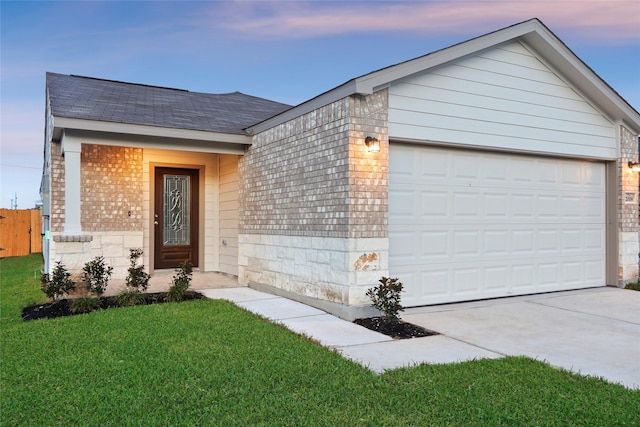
point(593, 332)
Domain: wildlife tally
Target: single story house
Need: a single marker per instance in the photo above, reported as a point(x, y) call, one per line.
point(499, 166)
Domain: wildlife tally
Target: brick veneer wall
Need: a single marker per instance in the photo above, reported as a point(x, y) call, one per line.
point(111, 192)
point(313, 176)
point(56, 192)
point(369, 172)
point(628, 225)
point(111, 188)
point(628, 212)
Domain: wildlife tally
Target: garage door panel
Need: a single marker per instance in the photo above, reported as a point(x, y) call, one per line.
point(402, 203)
point(548, 241)
point(435, 244)
point(434, 204)
point(593, 272)
point(500, 225)
point(455, 205)
point(466, 281)
point(435, 167)
point(594, 239)
point(404, 246)
point(462, 243)
point(496, 279)
point(593, 207)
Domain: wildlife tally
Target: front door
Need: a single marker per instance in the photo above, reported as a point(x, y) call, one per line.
point(176, 217)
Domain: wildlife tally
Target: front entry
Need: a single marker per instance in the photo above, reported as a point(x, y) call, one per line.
point(175, 217)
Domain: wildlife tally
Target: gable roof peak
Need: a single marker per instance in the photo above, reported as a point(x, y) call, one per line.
point(532, 32)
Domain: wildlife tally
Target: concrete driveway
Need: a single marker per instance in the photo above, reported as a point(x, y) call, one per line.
point(593, 332)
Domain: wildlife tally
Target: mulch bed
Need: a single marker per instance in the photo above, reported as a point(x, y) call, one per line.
point(399, 330)
point(62, 307)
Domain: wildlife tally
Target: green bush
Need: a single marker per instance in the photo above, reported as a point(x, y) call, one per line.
point(96, 275)
point(180, 282)
point(137, 279)
point(58, 283)
point(386, 298)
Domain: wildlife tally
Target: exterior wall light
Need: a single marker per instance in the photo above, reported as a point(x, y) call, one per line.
point(373, 145)
point(634, 166)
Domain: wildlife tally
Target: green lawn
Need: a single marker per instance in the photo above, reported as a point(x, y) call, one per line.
point(209, 363)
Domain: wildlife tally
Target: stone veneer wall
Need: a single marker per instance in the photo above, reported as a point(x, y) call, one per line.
point(314, 203)
point(629, 246)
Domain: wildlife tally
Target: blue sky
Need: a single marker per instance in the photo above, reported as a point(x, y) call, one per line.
point(281, 50)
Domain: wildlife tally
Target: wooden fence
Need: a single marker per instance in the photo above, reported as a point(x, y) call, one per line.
point(20, 232)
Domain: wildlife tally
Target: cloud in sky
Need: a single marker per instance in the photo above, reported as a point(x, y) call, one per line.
point(288, 51)
point(616, 21)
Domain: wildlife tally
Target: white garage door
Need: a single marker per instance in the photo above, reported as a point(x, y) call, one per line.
point(467, 225)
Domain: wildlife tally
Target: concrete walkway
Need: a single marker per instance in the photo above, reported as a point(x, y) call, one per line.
point(593, 332)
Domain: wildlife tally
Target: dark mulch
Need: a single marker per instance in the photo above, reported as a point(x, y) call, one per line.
point(62, 307)
point(398, 330)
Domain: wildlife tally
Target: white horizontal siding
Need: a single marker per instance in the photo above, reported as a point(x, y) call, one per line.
point(229, 214)
point(504, 98)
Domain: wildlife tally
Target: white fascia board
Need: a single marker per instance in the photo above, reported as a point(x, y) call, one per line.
point(319, 101)
point(372, 82)
point(377, 80)
point(78, 137)
point(574, 70)
point(532, 32)
point(62, 123)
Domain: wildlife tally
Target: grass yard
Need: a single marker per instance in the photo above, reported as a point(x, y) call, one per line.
point(209, 363)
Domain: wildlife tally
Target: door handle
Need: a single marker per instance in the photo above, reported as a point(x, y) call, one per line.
point(155, 222)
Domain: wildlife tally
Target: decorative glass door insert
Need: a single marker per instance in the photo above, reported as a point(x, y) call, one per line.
point(177, 221)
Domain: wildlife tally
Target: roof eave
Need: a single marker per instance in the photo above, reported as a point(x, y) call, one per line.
point(326, 98)
point(62, 123)
point(582, 77)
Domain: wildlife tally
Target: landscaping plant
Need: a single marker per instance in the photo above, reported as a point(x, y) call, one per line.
point(96, 275)
point(58, 283)
point(386, 298)
point(180, 282)
point(137, 280)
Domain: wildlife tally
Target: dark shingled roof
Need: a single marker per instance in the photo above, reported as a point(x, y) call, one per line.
point(89, 98)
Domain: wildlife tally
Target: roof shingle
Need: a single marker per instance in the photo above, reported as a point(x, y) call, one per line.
point(111, 101)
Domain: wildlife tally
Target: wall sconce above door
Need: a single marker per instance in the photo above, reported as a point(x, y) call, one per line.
point(373, 145)
point(634, 166)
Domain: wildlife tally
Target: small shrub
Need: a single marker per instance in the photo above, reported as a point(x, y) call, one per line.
point(84, 305)
point(58, 283)
point(180, 282)
point(137, 279)
point(96, 275)
point(386, 298)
